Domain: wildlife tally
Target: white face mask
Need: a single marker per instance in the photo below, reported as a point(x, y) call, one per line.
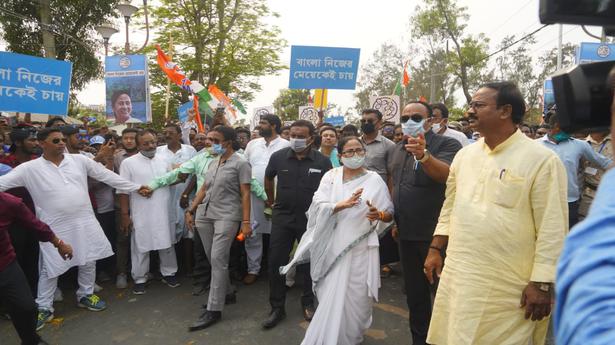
point(298, 145)
point(436, 127)
point(413, 129)
point(354, 162)
point(149, 153)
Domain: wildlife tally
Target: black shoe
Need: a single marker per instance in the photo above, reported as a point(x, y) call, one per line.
point(198, 290)
point(308, 312)
point(205, 320)
point(276, 315)
point(228, 299)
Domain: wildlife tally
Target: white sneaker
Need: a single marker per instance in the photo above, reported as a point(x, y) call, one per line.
point(121, 282)
point(57, 296)
point(97, 288)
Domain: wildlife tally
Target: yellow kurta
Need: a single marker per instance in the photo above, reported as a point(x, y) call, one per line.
point(506, 216)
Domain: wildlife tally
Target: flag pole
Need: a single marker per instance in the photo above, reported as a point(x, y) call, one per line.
point(168, 93)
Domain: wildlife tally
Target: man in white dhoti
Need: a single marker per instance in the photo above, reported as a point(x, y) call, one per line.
point(348, 210)
point(57, 183)
point(148, 218)
point(257, 154)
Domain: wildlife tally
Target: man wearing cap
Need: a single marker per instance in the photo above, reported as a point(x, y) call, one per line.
point(25, 147)
point(58, 184)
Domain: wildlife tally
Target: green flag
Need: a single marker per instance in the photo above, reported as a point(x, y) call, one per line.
point(239, 106)
point(204, 96)
point(397, 90)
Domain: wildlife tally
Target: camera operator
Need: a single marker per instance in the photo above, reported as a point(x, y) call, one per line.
point(585, 283)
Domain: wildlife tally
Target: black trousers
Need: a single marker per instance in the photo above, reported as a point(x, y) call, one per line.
point(201, 272)
point(27, 250)
point(284, 232)
point(16, 296)
point(107, 223)
point(418, 290)
point(573, 213)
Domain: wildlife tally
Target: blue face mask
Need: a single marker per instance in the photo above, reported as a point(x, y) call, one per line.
point(413, 129)
point(561, 136)
point(218, 149)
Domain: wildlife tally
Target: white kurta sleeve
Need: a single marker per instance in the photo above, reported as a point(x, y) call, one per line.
point(15, 178)
point(102, 174)
point(125, 173)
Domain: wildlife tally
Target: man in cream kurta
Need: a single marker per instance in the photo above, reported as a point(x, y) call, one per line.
point(150, 217)
point(505, 217)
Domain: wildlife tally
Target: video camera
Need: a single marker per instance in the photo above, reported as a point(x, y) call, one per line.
point(583, 93)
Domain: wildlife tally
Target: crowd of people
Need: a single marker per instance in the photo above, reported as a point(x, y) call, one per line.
point(475, 210)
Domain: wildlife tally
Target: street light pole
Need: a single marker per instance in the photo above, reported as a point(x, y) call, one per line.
point(127, 45)
point(127, 10)
point(106, 31)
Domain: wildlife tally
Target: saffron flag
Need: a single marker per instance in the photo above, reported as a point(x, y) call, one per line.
point(172, 70)
point(405, 78)
point(220, 100)
point(197, 115)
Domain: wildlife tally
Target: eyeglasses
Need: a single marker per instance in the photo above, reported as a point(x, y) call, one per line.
point(350, 153)
point(57, 140)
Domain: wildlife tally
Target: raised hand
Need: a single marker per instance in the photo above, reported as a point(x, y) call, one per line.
point(350, 202)
point(416, 146)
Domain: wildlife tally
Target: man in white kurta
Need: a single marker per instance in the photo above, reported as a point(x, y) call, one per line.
point(175, 153)
point(150, 217)
point(60, 193)
point(257, 154)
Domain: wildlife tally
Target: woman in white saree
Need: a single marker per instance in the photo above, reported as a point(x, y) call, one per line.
point(350, 208)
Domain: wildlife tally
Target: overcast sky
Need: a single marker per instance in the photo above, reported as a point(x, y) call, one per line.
point(366, 25)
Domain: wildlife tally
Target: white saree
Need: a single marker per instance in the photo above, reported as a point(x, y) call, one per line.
point(344, 262)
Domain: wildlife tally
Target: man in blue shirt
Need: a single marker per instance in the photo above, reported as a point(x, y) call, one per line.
point(571, 151)
point(585, 293)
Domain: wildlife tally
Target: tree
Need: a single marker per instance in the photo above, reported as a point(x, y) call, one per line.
point(441, 21)
point(516, 65)
point(287, 103)
point(222, 42)
point(379, 75)
point(71, 21)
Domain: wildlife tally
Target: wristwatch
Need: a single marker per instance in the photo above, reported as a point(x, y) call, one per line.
point(544, 287)
point(426, 156)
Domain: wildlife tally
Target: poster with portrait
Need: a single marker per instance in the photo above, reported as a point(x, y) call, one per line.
point(258, 112)
point(308, 113)
point(127, 89)
point(388, 106)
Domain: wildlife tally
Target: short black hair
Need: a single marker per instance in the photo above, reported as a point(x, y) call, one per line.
point(508, 93)
point(327, 128)
point(130, 130)
point(52, 120)
point(425, 104)
point(229, 134)
point(304, 123)
point(243, 130)
point(144, 132)
point(442, 107)
point(174, 126)
point(44, 133)
point(284, 128)
point(273, 120)
point(372, 111)
point(351, 128)
point(344, 140)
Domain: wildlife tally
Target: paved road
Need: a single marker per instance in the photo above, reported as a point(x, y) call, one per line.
point(162, 315)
